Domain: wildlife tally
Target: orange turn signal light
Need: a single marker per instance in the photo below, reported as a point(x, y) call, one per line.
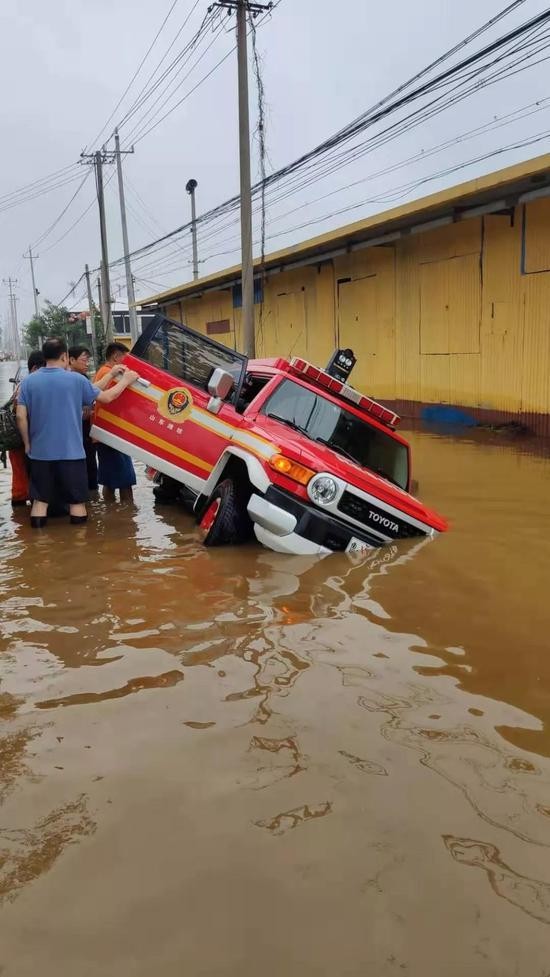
point(299, 473)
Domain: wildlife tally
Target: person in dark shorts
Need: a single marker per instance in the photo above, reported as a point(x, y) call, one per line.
point(49, 417)
point(79, 362)
point(115, 469)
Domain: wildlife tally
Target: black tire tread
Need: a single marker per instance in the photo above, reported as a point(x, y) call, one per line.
point(231, 523)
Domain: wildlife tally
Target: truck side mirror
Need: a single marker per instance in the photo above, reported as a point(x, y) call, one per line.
point(220, 386)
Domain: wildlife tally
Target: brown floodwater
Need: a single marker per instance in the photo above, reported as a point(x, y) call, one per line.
point(232, 762)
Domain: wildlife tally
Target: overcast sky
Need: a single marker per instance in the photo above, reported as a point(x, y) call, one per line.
point(64, 65)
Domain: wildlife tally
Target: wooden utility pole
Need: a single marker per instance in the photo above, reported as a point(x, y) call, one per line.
point(243, 8)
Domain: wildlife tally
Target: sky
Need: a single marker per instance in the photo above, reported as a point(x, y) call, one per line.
point(65, 65)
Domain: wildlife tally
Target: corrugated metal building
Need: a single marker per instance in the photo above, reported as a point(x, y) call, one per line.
point(445, 301)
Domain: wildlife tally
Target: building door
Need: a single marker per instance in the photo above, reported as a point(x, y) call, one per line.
point(290, 324)
point(366, 325)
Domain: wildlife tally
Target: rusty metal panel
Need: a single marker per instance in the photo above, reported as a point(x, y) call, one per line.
point(537, 236)
point(221, 327)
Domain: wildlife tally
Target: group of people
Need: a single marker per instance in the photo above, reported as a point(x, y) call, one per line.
point(59, 463)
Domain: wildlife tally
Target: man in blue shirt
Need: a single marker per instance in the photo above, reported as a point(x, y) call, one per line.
point(49, 417)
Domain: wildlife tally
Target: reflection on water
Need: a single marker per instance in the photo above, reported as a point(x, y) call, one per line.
point(215, 693)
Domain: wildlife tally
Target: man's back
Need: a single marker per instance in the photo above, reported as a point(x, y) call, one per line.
point(54, 399)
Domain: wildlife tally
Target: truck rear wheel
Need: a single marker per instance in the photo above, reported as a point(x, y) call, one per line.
point(224, 519)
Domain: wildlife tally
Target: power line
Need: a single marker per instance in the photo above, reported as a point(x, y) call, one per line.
point(136, 73)
point(281, 174)
point(36, 184)
point(138, 100)
point(54, 224)
point(140, 127)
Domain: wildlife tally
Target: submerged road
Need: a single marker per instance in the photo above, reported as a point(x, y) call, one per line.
point(230, 763)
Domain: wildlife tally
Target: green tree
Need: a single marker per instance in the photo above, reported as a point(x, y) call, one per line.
point(55, 320)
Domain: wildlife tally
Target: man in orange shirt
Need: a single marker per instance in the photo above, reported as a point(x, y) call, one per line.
point(115, 470)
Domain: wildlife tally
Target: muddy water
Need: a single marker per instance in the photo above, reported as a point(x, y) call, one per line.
point(231, 762)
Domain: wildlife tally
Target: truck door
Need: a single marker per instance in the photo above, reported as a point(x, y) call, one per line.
point(164, 420)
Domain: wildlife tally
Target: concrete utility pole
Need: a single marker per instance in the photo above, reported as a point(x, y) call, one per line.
point(91, 307)
point(35, 292)
point(244, 7)
point(108, 315)
point(134, 328)
point(14, 328)
point(100, 302)
point(191, 186)
point(97, 160)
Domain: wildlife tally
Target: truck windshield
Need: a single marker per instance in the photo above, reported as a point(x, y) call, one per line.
point(332, 425)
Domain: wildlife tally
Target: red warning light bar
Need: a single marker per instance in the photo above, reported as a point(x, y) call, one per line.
point(382, 414)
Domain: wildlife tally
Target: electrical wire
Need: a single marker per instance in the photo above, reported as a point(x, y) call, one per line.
point(138, 100)
point(54, 224)
point(136, 73)
point(164, 99)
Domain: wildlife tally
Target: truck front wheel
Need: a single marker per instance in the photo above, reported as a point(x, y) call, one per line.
point(225, 519)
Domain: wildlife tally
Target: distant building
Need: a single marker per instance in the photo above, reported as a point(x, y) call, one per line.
point(121, 323)
point(445, 300)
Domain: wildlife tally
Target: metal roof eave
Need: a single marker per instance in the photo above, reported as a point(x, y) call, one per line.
point(495, 191)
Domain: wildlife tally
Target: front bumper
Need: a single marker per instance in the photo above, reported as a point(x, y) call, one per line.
point(288, 525)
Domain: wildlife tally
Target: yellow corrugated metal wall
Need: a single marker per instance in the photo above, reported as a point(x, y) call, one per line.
point(459, 314)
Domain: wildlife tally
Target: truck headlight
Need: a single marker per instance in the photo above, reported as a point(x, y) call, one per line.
point(323, 490)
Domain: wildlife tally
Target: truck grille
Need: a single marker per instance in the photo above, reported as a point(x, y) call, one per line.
point(378, 519)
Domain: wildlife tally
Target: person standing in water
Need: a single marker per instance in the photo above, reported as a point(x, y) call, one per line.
point(79, 362)
point(49, 418)
point(115, 470)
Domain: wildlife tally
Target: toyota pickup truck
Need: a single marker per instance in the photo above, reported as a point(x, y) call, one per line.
point(275, 448)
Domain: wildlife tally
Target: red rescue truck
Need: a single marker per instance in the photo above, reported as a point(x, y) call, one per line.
point(277, 448)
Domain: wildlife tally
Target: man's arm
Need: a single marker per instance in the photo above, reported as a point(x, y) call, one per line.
point(107, 396)
point(110, 376)
point(22, 422)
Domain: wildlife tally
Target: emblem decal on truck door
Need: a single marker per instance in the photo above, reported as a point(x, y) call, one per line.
point(175, 404)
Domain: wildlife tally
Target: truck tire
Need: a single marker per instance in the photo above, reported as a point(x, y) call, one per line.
point(224, 519)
